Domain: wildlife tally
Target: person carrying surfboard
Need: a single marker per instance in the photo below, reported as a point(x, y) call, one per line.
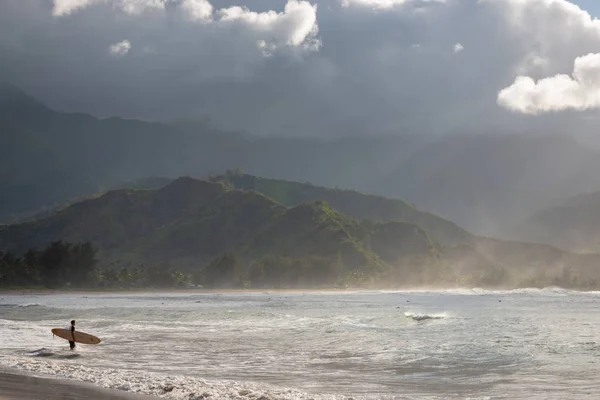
point(72, 329)
point(74, 336)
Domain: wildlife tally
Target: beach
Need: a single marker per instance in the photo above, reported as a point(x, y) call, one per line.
point(21, 387)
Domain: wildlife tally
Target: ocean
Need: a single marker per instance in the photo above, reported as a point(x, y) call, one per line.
point(461, 344)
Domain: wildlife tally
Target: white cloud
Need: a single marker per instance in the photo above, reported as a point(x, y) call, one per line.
point(549, 11)
point(66, 7)
point(560, 92)
point(138, 6)
point(384, 4)
point(552, 32)
point(198, 10)
point(295, 26)
point(120, 49)
point(458, 48)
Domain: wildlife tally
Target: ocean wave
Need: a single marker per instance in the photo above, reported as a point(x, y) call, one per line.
point(424, 317)
point(550, 290)
point(166, 386)
point(27, 305)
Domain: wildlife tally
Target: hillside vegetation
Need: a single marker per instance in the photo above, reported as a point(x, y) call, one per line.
point(227, 237)
point(356, 204)
point(195, 225)
point(484, 182)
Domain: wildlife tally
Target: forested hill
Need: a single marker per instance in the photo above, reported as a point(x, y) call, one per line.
point(485, 182)
point(190, 223)
point(353, 203)
point(231, 237)
point(535, 263)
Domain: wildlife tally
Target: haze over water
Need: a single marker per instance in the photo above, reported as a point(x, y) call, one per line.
point(524, 344)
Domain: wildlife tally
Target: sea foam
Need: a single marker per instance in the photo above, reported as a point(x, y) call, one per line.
point(166, 386)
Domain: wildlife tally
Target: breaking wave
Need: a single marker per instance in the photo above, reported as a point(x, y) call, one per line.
point(154, 384)
point(424, 317)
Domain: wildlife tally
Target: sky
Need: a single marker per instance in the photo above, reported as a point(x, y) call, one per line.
point(311, 67)
point(591, 6)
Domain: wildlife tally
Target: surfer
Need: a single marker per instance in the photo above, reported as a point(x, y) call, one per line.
point(72, 328)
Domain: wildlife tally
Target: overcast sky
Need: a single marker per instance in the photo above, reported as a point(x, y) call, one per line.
point(311, 67)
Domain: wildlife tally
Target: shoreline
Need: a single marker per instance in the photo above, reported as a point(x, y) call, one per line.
point(81, 291)
point(15, 386)
point(47, 292)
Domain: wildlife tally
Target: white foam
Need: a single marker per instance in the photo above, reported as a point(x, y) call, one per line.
point(25, 305)
point(424, 317)
point(166, 386)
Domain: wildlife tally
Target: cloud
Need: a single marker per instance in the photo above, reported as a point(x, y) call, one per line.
point(66, 7)
point(198, 10)
point(138, 6)
point(273, 67)
point(385, 4)
point(120, 49)
point(560, 92)
point(552, 33)
point(296, 25)
point(458, 48)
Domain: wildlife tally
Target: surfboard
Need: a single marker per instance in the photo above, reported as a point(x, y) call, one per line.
point(80, 337)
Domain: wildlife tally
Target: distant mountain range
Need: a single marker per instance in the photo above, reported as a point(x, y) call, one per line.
point(486, 183)
point(573, 224)
point(48, 158)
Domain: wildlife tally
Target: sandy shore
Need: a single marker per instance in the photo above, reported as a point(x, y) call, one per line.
point(20, 387)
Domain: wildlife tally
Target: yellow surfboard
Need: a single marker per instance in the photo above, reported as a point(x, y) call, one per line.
point(80, 337)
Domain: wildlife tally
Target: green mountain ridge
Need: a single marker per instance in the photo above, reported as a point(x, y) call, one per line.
point(351, 202)
point(484, 182)
point(213, 229)
point(190, 222)
point(464, 251)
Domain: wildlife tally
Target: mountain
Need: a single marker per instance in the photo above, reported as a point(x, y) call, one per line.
point(190, 222)
point(573, 224)
point(48, 158)
point(215, 229)
point(487, 183)
point(468, 254)
point(353, 203)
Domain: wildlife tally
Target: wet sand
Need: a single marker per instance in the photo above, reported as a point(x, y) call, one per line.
point(20, 387)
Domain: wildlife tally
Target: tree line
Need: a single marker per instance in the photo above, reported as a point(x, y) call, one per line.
point(58, 263)
point(63, 264)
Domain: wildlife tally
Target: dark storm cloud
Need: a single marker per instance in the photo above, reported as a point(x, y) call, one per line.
point(365, 66)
